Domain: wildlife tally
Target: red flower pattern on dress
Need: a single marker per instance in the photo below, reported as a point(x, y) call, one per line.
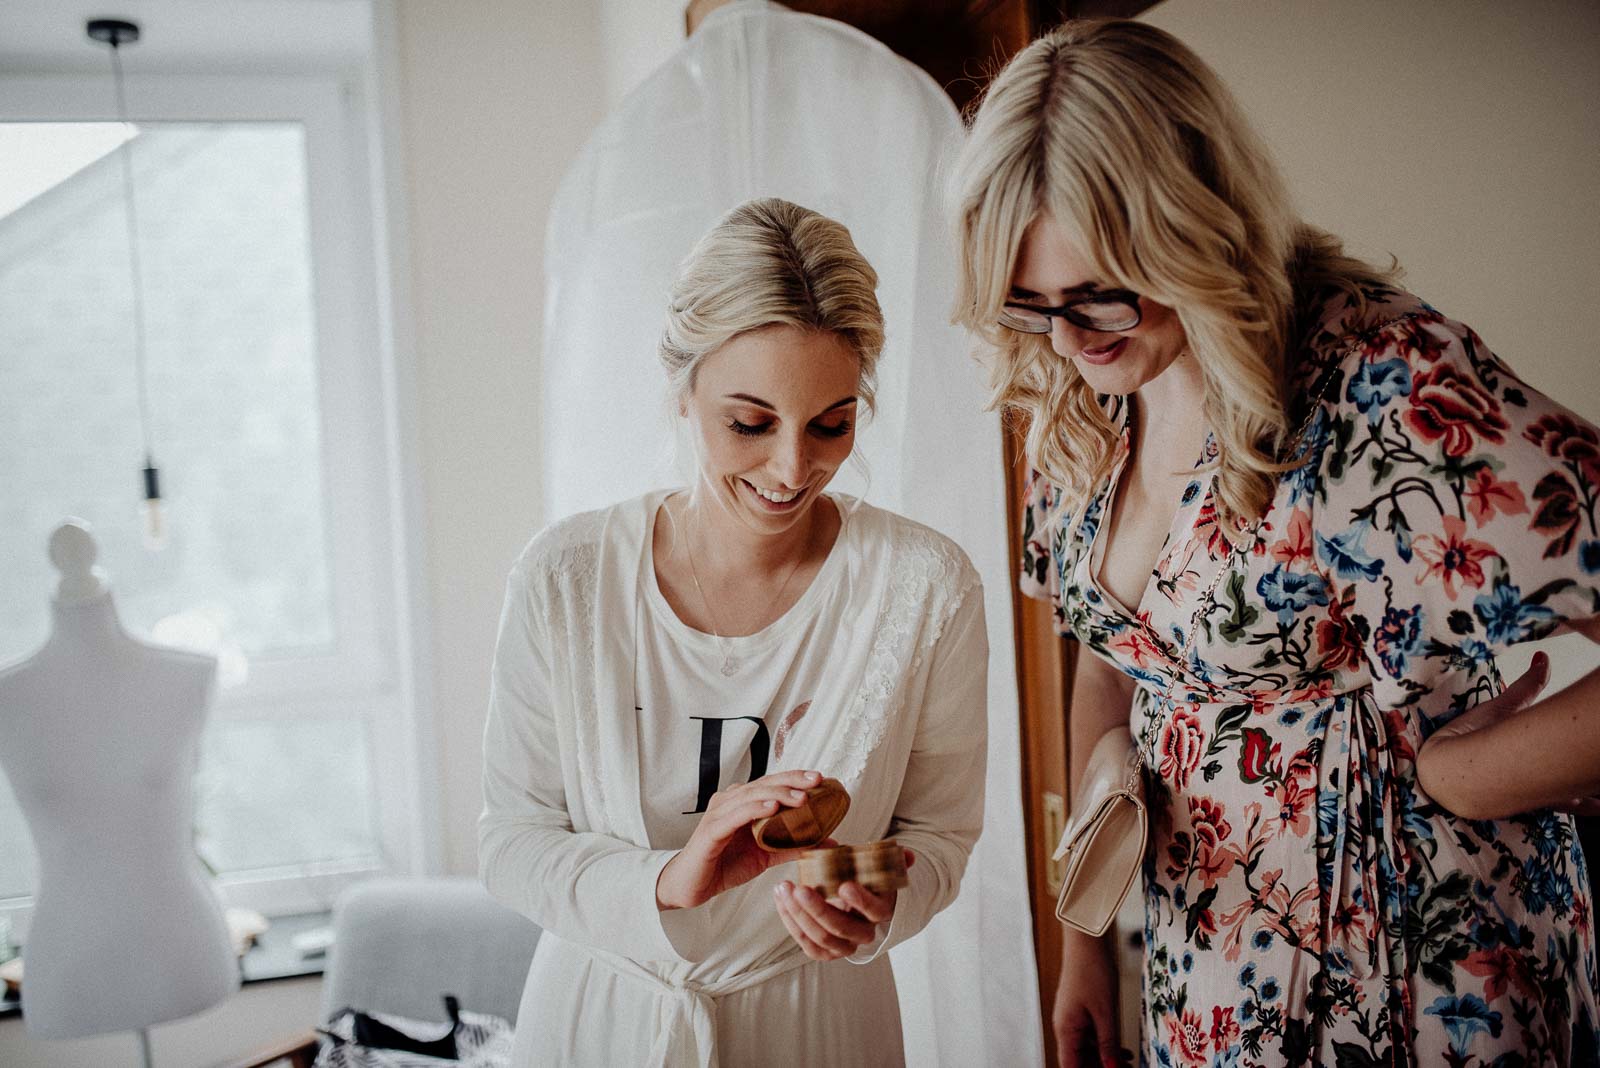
point(1138, 647)
point(1182, 743)
point(1205, 526)
point(1449, 405)
point(1413, 335)
point(1500, 968)
point(1454, 556)
point(1296, 801)
point(1187, 1034)
point(1349, 926)
point(1213, 865)
point(1567, 440)
point(1296, 543)
point(1338, 637)
point(1256, 754)
point(1320, 690)
point(1211, 827)
point(1224, 1028)
point(1559, 513)
point(1398, 728)
point(1487, 495)
point(1213, 858)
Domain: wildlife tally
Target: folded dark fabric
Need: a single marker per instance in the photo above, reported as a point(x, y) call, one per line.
point(373, 1033)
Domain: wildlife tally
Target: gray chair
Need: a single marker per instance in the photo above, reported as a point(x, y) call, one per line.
point(400, 945)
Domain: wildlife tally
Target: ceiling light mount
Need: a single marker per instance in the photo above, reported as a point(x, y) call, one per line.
point(113, 32)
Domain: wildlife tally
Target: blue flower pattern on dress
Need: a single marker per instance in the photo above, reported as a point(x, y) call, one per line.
point(1291, 592)
point(1464, 1018)
point(1305, 901)
point(1375, 384)
point(1344, 553)
point(1507, 618)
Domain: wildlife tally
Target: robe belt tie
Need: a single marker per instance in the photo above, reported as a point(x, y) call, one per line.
point(686, 1031)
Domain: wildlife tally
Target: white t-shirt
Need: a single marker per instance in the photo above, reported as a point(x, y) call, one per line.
point(700, 730)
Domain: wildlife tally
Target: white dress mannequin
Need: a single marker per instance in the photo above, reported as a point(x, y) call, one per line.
point(98, 735)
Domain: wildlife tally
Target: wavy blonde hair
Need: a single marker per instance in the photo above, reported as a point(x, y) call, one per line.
point(1125, 138)
point(772, 263)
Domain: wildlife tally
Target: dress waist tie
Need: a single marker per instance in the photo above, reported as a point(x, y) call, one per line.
point(1365, 915)
point(686, 1031)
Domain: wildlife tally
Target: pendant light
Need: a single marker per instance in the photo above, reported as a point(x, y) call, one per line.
point(116, 33)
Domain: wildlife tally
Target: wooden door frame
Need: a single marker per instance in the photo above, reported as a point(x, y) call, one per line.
point(1044, 662)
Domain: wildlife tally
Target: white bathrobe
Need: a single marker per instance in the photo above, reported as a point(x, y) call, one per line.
point(900, 721)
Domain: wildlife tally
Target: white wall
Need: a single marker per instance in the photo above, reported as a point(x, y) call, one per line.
point(637, 35)
point(494, 98)
point(1462, 138)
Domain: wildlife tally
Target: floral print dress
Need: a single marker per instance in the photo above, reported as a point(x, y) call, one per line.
point(1305, 901)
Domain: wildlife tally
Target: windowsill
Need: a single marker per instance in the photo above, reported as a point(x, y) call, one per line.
point(273, 957)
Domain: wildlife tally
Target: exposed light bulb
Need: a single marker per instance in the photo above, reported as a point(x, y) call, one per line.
point(155, 522)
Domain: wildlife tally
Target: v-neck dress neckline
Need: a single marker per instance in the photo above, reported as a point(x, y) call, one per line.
point(1180, 530)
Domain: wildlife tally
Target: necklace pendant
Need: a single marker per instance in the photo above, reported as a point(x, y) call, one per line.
point(729, 668)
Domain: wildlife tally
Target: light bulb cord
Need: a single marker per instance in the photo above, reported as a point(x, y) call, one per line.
point(135, 265)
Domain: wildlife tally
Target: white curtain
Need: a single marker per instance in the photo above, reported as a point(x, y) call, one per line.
point(763, 101)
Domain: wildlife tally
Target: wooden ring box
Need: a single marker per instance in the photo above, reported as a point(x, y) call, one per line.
point(878, 866)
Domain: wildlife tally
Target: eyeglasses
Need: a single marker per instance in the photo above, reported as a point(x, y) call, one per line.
point(1105, 311)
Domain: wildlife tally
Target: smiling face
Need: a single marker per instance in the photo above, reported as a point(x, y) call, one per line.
point(773, 412)
point(1049, 272)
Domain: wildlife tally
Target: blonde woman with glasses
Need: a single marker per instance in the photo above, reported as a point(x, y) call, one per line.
point(1293, 512)
point(677, 666)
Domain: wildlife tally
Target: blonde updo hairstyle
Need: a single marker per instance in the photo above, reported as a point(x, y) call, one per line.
point(1125, 138)
point(772, 263)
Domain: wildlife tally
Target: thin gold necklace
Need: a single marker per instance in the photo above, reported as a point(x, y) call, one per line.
point(730, 666)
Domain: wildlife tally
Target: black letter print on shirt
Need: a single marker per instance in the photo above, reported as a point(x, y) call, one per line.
point(711, 755)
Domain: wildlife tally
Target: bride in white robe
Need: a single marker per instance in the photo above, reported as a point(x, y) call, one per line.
point(675, 666)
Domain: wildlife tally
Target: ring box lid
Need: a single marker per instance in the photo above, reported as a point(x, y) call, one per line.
point(806, 824)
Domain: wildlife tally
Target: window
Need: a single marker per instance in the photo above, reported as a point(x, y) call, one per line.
point(271, 421)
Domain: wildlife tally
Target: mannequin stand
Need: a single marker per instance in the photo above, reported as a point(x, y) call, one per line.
point(99, 732)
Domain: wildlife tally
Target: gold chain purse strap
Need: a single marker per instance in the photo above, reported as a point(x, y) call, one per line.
point(1131, 783)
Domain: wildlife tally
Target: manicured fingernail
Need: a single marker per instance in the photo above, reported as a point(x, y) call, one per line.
point(782, 889)
point(813, 775)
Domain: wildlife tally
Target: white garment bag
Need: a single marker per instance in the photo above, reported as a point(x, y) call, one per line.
point(763, 101)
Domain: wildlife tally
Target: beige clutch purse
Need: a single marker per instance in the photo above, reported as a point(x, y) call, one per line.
point(1104, 841)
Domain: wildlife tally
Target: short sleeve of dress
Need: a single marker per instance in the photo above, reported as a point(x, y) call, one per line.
point(1455, 511)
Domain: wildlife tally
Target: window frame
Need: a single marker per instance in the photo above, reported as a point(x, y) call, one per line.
point(372, 669)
